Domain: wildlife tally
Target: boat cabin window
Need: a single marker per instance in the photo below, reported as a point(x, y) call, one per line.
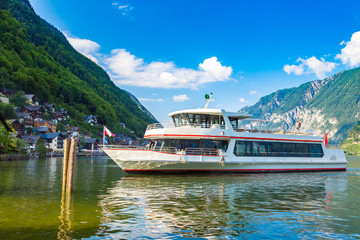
point(156, 145)
point(174, 145)
point(277, 149)
point(242, 122)
point(199, 120)
point(234, 122)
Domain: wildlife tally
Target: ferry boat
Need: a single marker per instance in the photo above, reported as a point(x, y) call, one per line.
point(214, 140)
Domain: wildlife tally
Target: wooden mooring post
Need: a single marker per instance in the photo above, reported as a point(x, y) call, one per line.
point(70, 147)
point(65, 229)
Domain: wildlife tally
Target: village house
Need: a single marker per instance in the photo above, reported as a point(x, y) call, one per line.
point(31, 99)
point(90, 144)
point(26, 118)
point(62, 136)
point(50, 108)
point(119, 138)
point(42, 130)
point(90, 119)
point(51, 140)
point(74, 131)
point(57, 116)
point(88, 135)
point(31, 141)
point(42, 123)
point(126, 141)
point(65, 113)
point(4, 100)
point(143, 141)
point(6, 92)
point(35, 111)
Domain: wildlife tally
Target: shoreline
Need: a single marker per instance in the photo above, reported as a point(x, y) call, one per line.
point(14, 157)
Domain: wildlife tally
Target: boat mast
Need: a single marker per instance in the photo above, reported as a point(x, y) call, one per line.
point(208, 100)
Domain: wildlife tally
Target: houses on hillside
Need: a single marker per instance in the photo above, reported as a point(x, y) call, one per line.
point(38, 122)
point(90, 119)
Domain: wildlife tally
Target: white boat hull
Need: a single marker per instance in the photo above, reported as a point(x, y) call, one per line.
point(145, 161)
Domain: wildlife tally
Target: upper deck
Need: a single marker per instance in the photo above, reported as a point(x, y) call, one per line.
point(217, 123)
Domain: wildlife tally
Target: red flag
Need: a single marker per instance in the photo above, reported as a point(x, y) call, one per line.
point(107, 132)
point(326, 140)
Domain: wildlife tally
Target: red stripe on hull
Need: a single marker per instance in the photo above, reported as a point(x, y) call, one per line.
point(232, 170)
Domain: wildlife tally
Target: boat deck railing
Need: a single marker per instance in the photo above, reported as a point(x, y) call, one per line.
point(154, 126)
point(190, 125)
point(189, 151)
point(202, 151)
point(166, 149)
point(239, 129)
point(123, 147)
point(202, 125)
point(261, 130)
point(173, 150)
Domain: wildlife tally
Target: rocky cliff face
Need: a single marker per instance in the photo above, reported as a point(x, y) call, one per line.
point(297, 112)
point(322, 106)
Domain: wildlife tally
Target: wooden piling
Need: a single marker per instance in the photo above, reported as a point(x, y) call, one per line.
point(71, 165)
point(65, 229)
point(70, 147)
point(65, 163)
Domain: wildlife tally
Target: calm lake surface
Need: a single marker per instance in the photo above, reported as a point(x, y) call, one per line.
point(108, 204)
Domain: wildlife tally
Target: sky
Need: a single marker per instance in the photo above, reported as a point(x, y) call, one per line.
point(169, 54)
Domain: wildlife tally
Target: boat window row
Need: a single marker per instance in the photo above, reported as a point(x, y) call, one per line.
point(246, 124)
point(199, 120)
point(277, 149)
point(190, 146)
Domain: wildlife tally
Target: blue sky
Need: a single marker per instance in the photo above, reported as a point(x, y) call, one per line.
point(169, 54)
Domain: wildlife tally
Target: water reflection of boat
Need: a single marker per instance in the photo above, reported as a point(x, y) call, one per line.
point(208, 206)
point(212, 140)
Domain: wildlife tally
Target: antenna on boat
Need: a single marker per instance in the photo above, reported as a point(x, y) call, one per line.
point(208, 100)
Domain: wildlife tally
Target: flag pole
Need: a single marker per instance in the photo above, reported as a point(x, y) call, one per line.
point(103, 136)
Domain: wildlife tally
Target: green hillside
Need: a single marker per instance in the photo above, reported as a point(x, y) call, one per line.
point(328, 106)
point(351, 144)
point(36, 57)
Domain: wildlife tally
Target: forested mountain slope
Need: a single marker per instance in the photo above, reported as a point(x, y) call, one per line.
point(36, 57)
point(351, 144)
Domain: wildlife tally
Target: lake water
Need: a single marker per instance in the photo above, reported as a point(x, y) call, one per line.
point(108, 204)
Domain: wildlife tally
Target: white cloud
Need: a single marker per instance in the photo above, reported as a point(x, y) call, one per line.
point(252, 92)
point(85, 46)
point(151, 100)
point(213, 67)
point(319, 67)
point(126, 69)
point(242, 100)
point(311, 65)
point(124, 9)
point(350, 54)
point(297, 70)
point(181, 98)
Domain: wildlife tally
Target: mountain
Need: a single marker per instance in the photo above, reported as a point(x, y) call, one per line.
point(36, 58)
point(328, 106)
point(351, 144)
point(141, 107)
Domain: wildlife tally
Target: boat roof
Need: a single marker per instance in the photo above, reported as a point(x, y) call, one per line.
point(213, 111)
